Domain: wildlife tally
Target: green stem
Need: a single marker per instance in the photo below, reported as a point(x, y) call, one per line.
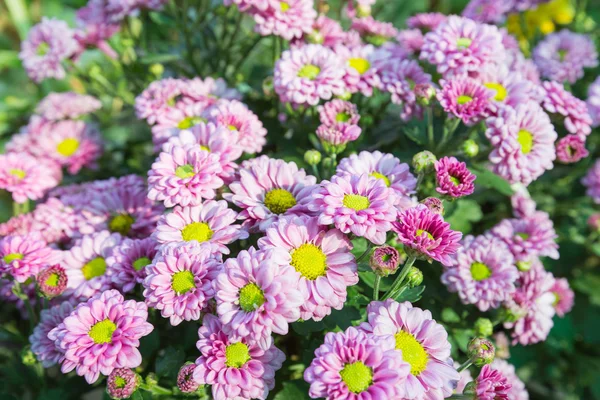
point(155, 389)
point(367, 251)
point(376, 287)
point(316, 172)
point(430, 135)
point(400, 278)
point(448, 133)
point(18, 291)
point(464, 366)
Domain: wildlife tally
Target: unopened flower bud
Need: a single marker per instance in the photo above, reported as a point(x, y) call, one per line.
point(328, 162)
point(151, 379)
point(424, 162)
point(345, 96)
point(414, 277)
point(434, 204)
point(483, 327)
point(384, 260)
point(52, 281)
point(594, 222)
point(481, 351)
point(312, 157)
point(315, 37)
point(267, 86)
point(185, 379)
point(157, 69)
point(424, 92)
point(121, 383)
point(27, 356)
point(363, 11)
point(470, 148)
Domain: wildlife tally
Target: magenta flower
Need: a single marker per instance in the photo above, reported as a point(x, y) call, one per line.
point(426, 233)
point(95, 27)
point(571, 149)
point(23, 256)
point(360, 76)
point(268, 189)
point(52, 281)
point(426, 21)
point(592, 182)
point(320, 258)
point(453, 177)
point(482, 272)
point(184, 176)
point(373, 31)
point(355, 365)
point(106, 329)
point(185, 379)
point(289, 19)
point(593, 102)
point(67, 105)
point(400, 79)
point(517, 390)
point(179, 281)
point(235, 368)
point(357, 204)
point(44, 348)
point(26, 177)
point(559, 101)
point(338, 111)
point(256, 297)
point(121, 383)
point(128, 261)
point(307, 74)
point(564, 296)
point(491, 385)
point(422, 342)
point(466, 99)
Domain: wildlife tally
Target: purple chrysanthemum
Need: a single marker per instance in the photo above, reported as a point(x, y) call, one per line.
point(106, 330)
point(426, 233)
point(52, 281)
point(45, 349)
point(356, 366)
point(592, 182)
point(482, 272)
point(250, 370)
point(289, 19)
point(564, 296)
point(487, 11)
point(336, 111)
point(95, 27)
point(373, 31)
point(411, 39)
point(466, 99)
point(321, 259)
point(121, 383)
point(128, 261)
point(491, 384)
point(27, 178)
point(426, 21)
point(571, 149)
point(559, 101)
point(67, 105)
point(23, 256)
point(185, 379)
point(453, 177)
point(517, 390)
point(593, 101)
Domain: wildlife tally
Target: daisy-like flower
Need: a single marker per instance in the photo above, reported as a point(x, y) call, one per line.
point(453, 177)
point(256, 297)
point(184, 176)
point(517, 390)
point(357, 204)
point(338, 111)
point(121, 383)
point(85, 263)
point(27, 178)
point(466, 99)
point(482, 272)
point(321, 259)
point(564, 296)
point(268, 189)
point(487, 11)
point(67, 105)
point(562, 56)
point(182, 117)
point(45, 350)
point(289, 19)
point(211, 222)
point(427, 234)
point(355, 365)
point(592, 182)
point(24, 256)
point(460, 46)
point(48, 44)
point(307, 74)
point(426, 21)
point(106, 329)
point(523, 140)
point(179, 281)
point(128, 261)
point(559, 101)
point(373, 31)
point(52, 281)
point(250, 370)
point(395, 174)
point(532, 236)
point(491, 384)
point(422, 342)
point(360, 76)
point(159, 98)
point(593, 101)
point(571, 149)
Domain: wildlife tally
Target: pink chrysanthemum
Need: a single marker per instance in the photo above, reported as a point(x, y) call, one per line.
point(184, 176)
point(563, 55)
point(357, 366)
point(466, 99)
point(518, 63)
point(336, 111)
point(45, 350)
point(593, 101)
point(23, 256)
point(185, 379)
point(106, 330)
point(268, 189)
point(307, 74)
point(85, 263)
point(460, 46)
point(179, 281)
point(338, 134)
point(592, 182)
point(182, 117)
point(325, 31)
point(210, 222)
point(399, 79)
point(321, 259)
point(491, 384)
point(564, 296)
point(26, 177)
point(128, 261)
point(523, 140)
point(360, 76)
point(121, 383)
point(426, 21)
point(559, 101)
point(517, 390)
point(453, 177)
point(357, 204)
point(482, 272)
point(426, 233)
point(411, 39)
point(159, 98)
point(487, 11)
point(48, 44)
point(422, 342)
point(210, 89)
point(52, 281)
point(67, 105)
point(250, 370)
point(571, 149)
point(522, 203)
point(289, 19)
point(373, 31)
point(256, 297)
point(95, 27)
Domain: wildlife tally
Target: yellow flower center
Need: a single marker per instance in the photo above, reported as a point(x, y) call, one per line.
point(19, 173)
point(205, 148)
point(120, 382)
point(356, 202)
point(357, 376)
point(421, 232)
point(464, 99)
point(463, 43)
point(140, 263)
point(94, 268)
point(376, 40)
point(12, 257)
point(309, 71)
point(525, 139)
point(251, 297)
point(185, 171)
point(310, 261)
point(361, 65)
point(52, 280)
point(500, 90)
point(102, 331)
point(68, 147)
point(121, 223)
point(284, 6)
point(384, 178)
point(236, 355)
point(412, 352)
point(279, 201)
point(198, 231)
point(480, 271)
point(188, 122)
point(455, 180)
point(183, 282)
point(342, 117)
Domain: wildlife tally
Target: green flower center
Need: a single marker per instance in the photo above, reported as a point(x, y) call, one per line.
point(52, 280)
point(12, 257)
point(121, 223)
point(376, 40)
point(310, 261)
point(236, 355)
point(120, 382)
point(454, 180)
point(94, 268)
point(384, 178)
point(279, 201)
point(198, 231)
point(361, 65)
point(525, 139)
point(284, 6)
point(183, 282)
point(556, 299)
point(68, 147)
point(185, 171)
point(357, 376)
point(342, 117)
point(480, 271)
point(421, 232)
point(140, 263)
point(562, 54)
point(102, 331)
point(309, 71)
point(251, 297)
point(42, 49)
point(19, 173)
point(464, 99)
point(188, 122)
point(412, 352)
point(463, 43)
point(523, 235)
point(500, 90)
point(356, 202)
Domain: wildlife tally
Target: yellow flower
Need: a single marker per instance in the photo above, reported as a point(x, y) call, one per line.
point(543, 19)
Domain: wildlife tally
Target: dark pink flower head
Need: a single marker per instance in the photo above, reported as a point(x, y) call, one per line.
point(491, 385)
point(466, 99)
point(185, 379)
point(426, 21)
point(571, 149)
point(289, 19)
point(453, 177)
point(426, 233)
point(338, 111)
point(592, 182)
point(235, 368)
point(517, 390)
point(121, 383)
point(564, 104)
point(106, 329)
point(52, 281)
point(45, 349)
point(564, 296)
point(26, 177)
point(67, 105)
point(23, 256)
point(373, 31)
point(358, 366)
point(128, 261)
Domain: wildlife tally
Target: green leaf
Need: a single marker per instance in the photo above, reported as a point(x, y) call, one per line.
point(296, 390)
point(416, 135)
point(413, 295)
point(304, 328)
point(169, 362)
point(465, 212)
point(450, 316)
point(160, 58)
point(488, 179)
point(137, 396)
point(342, 318)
